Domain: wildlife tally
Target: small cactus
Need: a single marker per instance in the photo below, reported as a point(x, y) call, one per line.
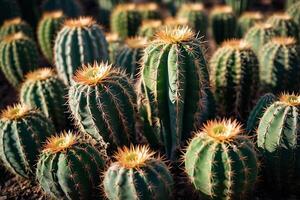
point(239, 6)
point(246, 21)
point(149, 28)
point(9, 9)
point(70, 8)
point(15, 25)
point(114, 44)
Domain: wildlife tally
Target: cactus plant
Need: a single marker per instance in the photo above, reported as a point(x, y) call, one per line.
point(102, 101)
point(149, 28)
point(80, 41)
point(114, 43)
point(280, 65)
point(224, 23)
point(294, 12)
point(234, 72)
point(220, 162)
point(15, 25)
point(48, 27)
point(69, 168)
point(18, 55)
point(70, 8)
point(137, 174)
point(149, 11)
point(9, 9)
point(246, 21)
point(44, 90)
point(22, 132)
point(239, 6)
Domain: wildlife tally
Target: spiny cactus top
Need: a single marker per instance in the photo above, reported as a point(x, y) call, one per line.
point(246, 21)
point(70, 8)
point(149, 28)
point(138, 174)
point(221, 162)
point(15, 25)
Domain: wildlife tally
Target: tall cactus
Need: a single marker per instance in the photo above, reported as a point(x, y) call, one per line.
point(246, 21)
point(22, 133)
point(70, 8)
point(9, 9)
point(80, 41)
point(239, 6)
point(15, 25)
point(149, 28)
point(137, 174)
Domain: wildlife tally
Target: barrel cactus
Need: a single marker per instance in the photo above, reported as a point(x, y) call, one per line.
point(239, 6)
point(22, 133)
point(69, 168)
point(18, 55)
point(246, 21)
point(138, 174)
point(15, 25)
point(149, 28)
point(70, 8)
point(114, 43)
point(80, 41)
point(9, 9)
point(221, 162)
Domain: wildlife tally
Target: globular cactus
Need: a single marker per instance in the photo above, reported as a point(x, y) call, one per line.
point(149, 28)
point(259, 35)
point(149, 11)
point(9, 9)
point(239, 6)
point(114, 43)
point(172, 88)
point(235, 79)
point(80, 41)
point(15, 25)
point(70, 8)
point(22, 133)
point(220, 162)
point(138, 174)
point(48, 27)
point(126, 20)
point(280, 65)
point(294, 12)
point(18, 55)
point(69, 168)
point(246, 21)
point(102, 101)
point(42, 89)
point(129, 55)
point(224, 23)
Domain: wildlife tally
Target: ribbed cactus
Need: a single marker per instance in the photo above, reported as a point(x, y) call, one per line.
point(9, 9)
point(48, 27)
point(235, 79)
point(15, 25)
point(149, 11)
point(239, 6)
point(280, 65)
point(138, 174)
point(173, 81)
point(18, 55)
point(259, 35)
point(114, 43)
point(22, 134)
point(70, 8)
point(220, 162)
point(224, 23)
point(102, 101)
point(246, 21)
point(149, 28)
point(69, 168)
point(126, 20)
point(294, 12)
point(129, 55)
point(80, 41)
point(44, 90)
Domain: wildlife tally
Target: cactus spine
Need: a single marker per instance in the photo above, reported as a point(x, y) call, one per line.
point(246, 21)
point(18, 55)
point(70, 8)
point(9, 9)
point(149, 28)
point(22, 133)
point(137, 174)
point(80, 41)
point(239, 6)
point(69, 168)
point(15, 25)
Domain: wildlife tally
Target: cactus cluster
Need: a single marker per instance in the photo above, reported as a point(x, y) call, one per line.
point(149, 28)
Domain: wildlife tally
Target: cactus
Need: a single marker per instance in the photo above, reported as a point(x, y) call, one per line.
point(114, 44)
point(294, 12)
point(18, 55)
point(149, 11)
point(70, 8)
point(239, 6)
point(172, 88)
point(126, 20)
point(224, 23)
point(290, 3)
point(80, 41)
point(234, 72)
point(22, 132)
point(246, 21)
point(15, 25)
point(259, 35)
point(129, 55)
point(149, 28)
point(220, 162)
point(280, 65)
point(48, 27)
point(102, 101)
point(44, 90)
point(69, 168)
point(9, 9)
point(137, 174)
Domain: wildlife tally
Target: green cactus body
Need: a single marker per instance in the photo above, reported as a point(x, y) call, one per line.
point(102, 102)
point(149, 28)
point(246, 21)
point(220, 162)
point(80, 41)
point(234, 71)
point(294, 12)
point(47, 30)
point(257, 112)
point(70, 8)
point(69, 168)
point(149, 11)
point(22, 134)
point(114, 43)
point(280, 65)
point(195, 14)
point(18, 55)
point(137, 174)
point(44, 90)
point(259, 35)
point(224, 23)
point(15, 25)
point(9, 9)
point(172, 88)
point(126, 20)
point(239, 6)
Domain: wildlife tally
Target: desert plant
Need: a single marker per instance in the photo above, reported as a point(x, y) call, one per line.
point(70, 8)
point(9, 9)
point(15, 25)
point(114, 43)
point(239, 6)
point(149, 28)
point(246, 21)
